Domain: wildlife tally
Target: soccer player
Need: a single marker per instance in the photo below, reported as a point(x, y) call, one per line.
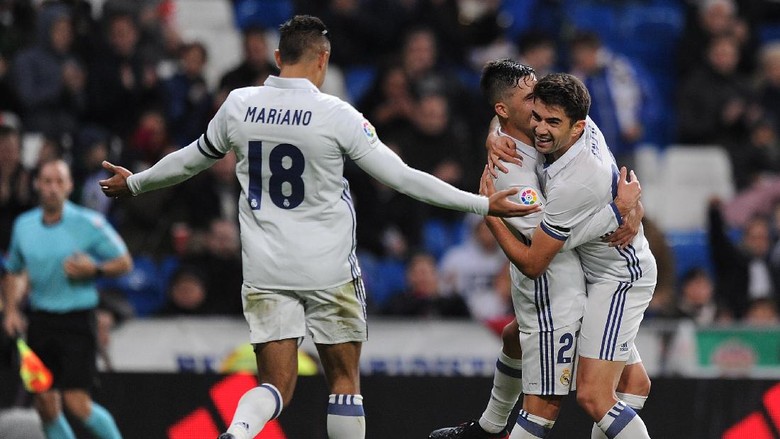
point(578, 176)
point(298, 223)
point(548, 309)
point(60, 249)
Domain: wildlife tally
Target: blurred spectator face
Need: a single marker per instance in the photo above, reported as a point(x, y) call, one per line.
point(585, 57)
point(193, 59)
point(717, 16)
point(433, 114)
point(395, 85)
point(54, 185)
point(223, 239)
point(255, 48)
point(723, 55)
point(757, 239)
point(61, 35)
point(344, 6)
point(770, 63)
point(698, 290)
point(422, 275)
point(123, 35)
point(762, 312)
point(419, 54)
point(542, 57)
point(188, 291)
point(151, 136)
point(10, 150)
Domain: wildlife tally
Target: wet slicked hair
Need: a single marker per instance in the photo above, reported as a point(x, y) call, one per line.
point(566, 92)
point(500, 76)
point(301, 34)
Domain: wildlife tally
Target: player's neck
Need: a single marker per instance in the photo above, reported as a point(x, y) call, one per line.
point(52, 216)
point(300, 70)
point(516, 134)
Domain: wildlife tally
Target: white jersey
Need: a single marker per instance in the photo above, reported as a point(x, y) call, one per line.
point(578, 184)
point(555, 299)
point(296, 215)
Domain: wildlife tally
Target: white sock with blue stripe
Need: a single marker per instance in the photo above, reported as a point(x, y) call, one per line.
point(346, 419)
point(636, 402)
point(531, 426)
point(507, 387)
point(255, 408)
point(622, 422)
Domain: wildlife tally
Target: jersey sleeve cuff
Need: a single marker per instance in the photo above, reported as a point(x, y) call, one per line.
point(552, 232)
point(618, 217)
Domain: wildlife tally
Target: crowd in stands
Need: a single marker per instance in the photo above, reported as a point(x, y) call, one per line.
point(89, 81)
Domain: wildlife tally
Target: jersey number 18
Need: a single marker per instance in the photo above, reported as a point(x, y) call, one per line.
point(286, 163)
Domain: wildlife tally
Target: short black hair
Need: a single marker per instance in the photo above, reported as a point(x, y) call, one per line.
point(501, 75)
point(566, 92)
point(300, 34)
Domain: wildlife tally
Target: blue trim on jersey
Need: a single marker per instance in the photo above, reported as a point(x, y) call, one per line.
point(632, 251)
point(360, 290)
point(552, 232)
point(614, 320)
point(277, 399)
point(211, 147)
point(508, 370)
point(617, 213)
point(546, 339)
point(632, 263)
point(206, 154)
point(619, 423)
point(531, 427)
point(615, 176)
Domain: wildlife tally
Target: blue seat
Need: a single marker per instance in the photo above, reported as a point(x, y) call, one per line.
point(769, 32)
point(519, 15)
point(691, 249)
point(359, 80)
point(263, 13)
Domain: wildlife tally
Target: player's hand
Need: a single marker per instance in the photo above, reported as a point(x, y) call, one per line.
point(629, 191)
point(79, 266)
point(116, 185)
point(500, 202)
point(14, 323)
point(625, 234)
point(501, 148)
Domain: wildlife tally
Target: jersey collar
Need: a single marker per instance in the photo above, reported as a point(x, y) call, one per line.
point(555, 167)
point(523, 147)
point(290, 83)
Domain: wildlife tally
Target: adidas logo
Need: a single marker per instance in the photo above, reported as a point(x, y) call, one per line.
point(759, 424)
point(209, 421)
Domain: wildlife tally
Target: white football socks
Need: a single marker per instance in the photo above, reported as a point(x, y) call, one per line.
point(507, 387)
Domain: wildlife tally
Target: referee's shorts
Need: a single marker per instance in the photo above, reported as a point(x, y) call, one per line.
point(67, 345)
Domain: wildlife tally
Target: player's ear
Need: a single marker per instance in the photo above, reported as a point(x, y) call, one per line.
point(501, 110)
point(278, 58)
point(579, 128)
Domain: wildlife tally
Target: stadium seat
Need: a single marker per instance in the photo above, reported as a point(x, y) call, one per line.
point(689, 176)
point(359, 80)
point(516, 15)
point(268, 14)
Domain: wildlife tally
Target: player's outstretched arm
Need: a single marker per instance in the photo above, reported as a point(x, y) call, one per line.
point(170, 170)
point(385, 165)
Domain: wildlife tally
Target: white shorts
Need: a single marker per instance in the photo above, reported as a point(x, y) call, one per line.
point(332, 316)
point(613, 312)
point(548, 360)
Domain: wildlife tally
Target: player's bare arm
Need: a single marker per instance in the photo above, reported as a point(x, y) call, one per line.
point(79, 266)
point(14, 322)
point(630, 207)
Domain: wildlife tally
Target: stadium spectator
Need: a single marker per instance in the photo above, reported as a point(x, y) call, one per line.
point(708, 20)
point(9, 98)
point(538, 50)
point(91, 147)
point(759, 157)
point(696, 300)
point(187, 294)
point(716, 104)
point(469, 270)
point(623, 100)
point(188, 102)
point(768, 76)
point(424, 296)
point(359, 31)
point(743, 272)
point(49, 79)
point(762, 312)
point(390, 101)
point(122, 85)
point(16, 185)
point(60, 249)
point(254, 68)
